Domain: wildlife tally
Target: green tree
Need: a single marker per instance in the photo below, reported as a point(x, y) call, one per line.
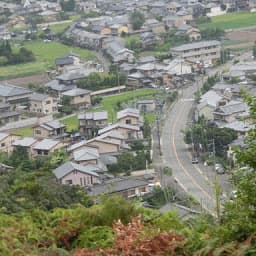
point(67, 5)
point(137, 19)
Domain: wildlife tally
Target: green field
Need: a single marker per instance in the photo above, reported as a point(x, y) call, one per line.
point(71, 123)
point(231, 21)
point(59, 28)
point(26, 132)
point(110, 103)
point(45, 54)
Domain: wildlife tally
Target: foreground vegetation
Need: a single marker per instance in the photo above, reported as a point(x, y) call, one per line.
point(45, 55)
point(231, 21)
point(40, 217)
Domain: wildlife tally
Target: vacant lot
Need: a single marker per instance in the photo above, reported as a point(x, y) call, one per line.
point(232, 21)
point(45, 54)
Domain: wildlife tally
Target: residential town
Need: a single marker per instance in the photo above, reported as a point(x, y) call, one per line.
point(148, 100)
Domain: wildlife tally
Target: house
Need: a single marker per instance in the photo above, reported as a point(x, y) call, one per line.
point(119, 53)
point(14, 95)
point(69, 59)
point(9, 117)
point(90, 122)
point(86, 39)
point(105, 146)
point(130, 132)
point(86, 155)
point(192, 33)
point(146, 106)
point(114, 136)
point(213, 10)
point(230, 111)
point(71, 173)
point(50, 129)
point(127, 187)
point(206, 52)
point(155, 26)
point(208, 103)
point(56, 87)
point(174, 7)
point(78, 97)
point(6, 141)
point(27, 143)
point(182, 17)
point(42, 104)
point(129, 116)
point(46, 146)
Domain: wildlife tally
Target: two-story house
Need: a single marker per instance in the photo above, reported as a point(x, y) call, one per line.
point(43, 104)
point(14, 95)
point(27, 143)
point(6, 141)
point(130, 132)
point(71, 173)
point(129, 116)
point(50, 129)
point(229, 112)
point(47, 146)
point(78, 97)
point(91, 122)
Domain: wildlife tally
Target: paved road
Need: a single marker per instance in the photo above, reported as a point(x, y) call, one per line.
point(175, 153)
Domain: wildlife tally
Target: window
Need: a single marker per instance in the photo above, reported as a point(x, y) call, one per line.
point(81, 96)
point(2, 144)
point(48, 102)
point(81, 181)
point(128, 121)
point(68, 182)
point(38, 132)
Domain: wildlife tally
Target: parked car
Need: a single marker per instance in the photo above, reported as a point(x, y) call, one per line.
point(219, 168)
point(195, 160)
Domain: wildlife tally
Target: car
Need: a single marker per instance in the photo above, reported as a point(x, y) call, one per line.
point(194, 160)
point(219, 168)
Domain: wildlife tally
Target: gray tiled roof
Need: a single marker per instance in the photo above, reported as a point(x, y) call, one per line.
point(7, 90)
point(116, 126)
point(55, 124)
point(64, 61)
point(99, 115)
point(196, 45)
point(46, 144)
point(25, 142)
point(76, 92)
point(38, 97)
point(118, 185)
point(9, 114)
point(128, 112)
point(86, 154)
point(3, 135)
point(68, 167)
point(231, 108)
point(77, 145)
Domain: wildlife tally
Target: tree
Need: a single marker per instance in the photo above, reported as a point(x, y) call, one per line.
point(137, 19)
point(67, 5)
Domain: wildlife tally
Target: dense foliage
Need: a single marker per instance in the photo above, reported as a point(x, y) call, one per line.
point(97, 81)
point(8, 57)
point(41, 217)
point(137, 19)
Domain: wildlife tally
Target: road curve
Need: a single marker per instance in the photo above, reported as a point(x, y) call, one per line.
point(190, 177)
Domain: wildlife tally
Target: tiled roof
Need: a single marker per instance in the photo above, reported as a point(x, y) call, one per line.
point(68, 167)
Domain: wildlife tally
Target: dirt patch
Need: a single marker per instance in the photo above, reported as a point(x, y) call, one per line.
point(244, 35)
point(24, 81)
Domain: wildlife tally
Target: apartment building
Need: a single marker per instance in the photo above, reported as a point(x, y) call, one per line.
point(205, 52)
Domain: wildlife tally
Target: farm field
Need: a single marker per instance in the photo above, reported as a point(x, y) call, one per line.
point(25, 132)
point(111, 103)
point(45, 54)
point(231, 21)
